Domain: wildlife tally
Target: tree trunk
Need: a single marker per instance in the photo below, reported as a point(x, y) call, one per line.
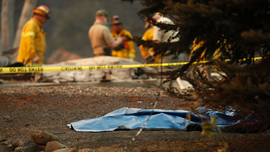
point(7, 23)
point(26, 14)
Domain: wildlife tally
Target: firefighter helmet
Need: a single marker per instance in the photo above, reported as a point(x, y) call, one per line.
point(42, 10)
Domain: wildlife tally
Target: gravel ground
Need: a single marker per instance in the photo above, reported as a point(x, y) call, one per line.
point(52, 108)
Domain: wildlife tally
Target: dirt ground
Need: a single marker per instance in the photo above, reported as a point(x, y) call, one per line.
point(51, 108)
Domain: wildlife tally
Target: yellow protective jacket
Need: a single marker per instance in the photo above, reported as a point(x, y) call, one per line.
point(33, 42)
point(128, 52)
point(145, 52)
point(196, 46)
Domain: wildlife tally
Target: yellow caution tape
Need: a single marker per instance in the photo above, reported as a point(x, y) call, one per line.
point(50, 69)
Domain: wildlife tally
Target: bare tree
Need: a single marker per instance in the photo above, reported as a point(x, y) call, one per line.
point(26, 14)
point(7, 23)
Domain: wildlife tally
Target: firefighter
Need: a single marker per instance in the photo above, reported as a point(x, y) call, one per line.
point(126, 49)
point(148, 53)
point(33, 43)
point(100, 37)
point(161, 36)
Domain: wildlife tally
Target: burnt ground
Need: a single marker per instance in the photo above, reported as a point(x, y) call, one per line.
point(51, 108)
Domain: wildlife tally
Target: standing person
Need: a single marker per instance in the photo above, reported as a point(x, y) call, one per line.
point(100, 37)
point(126, 49)
point(33, 43)
point(148, 53)
point(160, 35)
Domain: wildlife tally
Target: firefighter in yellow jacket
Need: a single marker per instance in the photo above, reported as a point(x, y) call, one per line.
point(33, 43)
point(126, 49)
point(148, 52)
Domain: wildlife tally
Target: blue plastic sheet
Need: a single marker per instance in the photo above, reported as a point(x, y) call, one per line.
point(133, 118)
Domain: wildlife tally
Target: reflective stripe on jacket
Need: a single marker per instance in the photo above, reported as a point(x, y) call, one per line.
point(128, 52)
point(33, 42)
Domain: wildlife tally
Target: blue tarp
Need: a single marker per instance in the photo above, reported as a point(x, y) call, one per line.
point(133, 118)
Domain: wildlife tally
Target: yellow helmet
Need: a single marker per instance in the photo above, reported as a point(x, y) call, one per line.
point(42, 10)
point(158, 13)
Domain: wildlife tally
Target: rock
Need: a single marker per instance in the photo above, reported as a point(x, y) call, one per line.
point(17, 143)
point(20, 149)
point(86, 150)
point(7, 142)
point(10, 147)
point(40, 147)
point(66, 150)
point(73, 149)
point(2, 139)
point(63, 146)
point(42, 137)
point(7, 118)
point(2, 81)
point(27, 149)
point(52, 146)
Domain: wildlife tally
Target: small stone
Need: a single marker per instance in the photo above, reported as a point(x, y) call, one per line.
point(42, 137)
point(7, 118)
point(63, 146)
point(40, 147)
point(17, 143)
point(73, 149)
point(86, 150)
point(66, 150)
point(30, 149)
point(20, 149)
point(2, 139)
point(10, 147)
point(7, 142)
point(52, 146)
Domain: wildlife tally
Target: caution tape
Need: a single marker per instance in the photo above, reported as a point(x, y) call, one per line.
point(72, 68)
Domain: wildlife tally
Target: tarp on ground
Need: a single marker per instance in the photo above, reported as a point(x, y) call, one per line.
point(133, 118)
